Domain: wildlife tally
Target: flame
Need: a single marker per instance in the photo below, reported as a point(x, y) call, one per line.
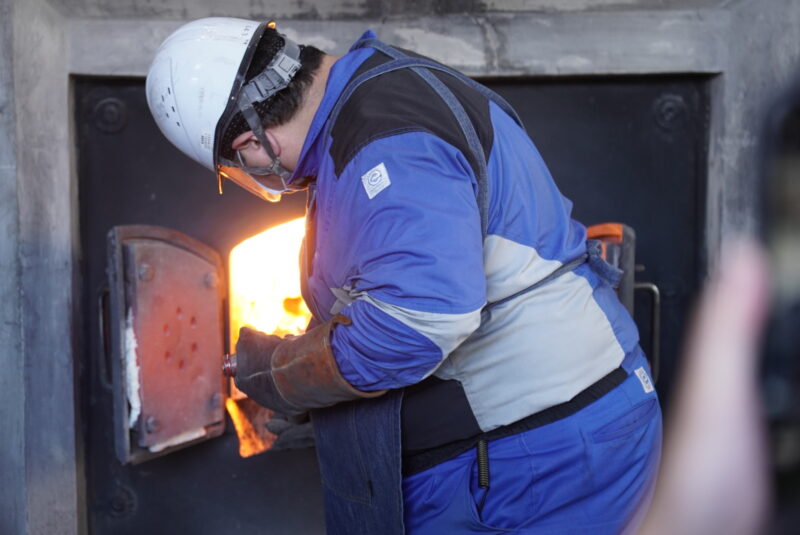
point(265, 282)
point(249, 424)
point(264, 276)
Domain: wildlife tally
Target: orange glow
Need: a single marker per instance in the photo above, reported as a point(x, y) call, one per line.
point(264, 275)
point(265, 282)
point(253, 437)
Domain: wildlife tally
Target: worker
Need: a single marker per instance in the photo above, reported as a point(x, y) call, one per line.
point(468, 368)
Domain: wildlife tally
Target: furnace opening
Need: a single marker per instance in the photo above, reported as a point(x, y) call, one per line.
point(264, 275)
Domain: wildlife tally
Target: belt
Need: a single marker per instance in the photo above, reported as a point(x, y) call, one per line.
point(419, 461)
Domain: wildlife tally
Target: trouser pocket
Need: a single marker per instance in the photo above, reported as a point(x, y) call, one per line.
point(511, 498)
point(623, 459)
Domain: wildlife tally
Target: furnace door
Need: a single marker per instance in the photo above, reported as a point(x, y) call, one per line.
point(165, 317)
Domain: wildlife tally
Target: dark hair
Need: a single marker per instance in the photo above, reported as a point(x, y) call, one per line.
point(284, 104)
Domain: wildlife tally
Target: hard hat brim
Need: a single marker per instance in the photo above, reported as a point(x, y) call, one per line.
point(231, 108)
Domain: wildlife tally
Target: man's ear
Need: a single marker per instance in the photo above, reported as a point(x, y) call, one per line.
point(243, 139)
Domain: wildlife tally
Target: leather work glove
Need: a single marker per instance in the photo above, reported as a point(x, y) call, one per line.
point(293, 432)
point(294, 374)
point(254, 352)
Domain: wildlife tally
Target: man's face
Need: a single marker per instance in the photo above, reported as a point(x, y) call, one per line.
point(253, 155)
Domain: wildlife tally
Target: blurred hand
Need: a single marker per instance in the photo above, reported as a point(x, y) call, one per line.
point(293, 432)
point(714, 476)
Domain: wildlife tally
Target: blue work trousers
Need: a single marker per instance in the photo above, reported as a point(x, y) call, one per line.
point(587, 473)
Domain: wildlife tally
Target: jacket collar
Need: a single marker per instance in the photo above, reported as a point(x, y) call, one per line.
point(341, 73)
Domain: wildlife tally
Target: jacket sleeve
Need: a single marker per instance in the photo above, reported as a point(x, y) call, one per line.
point(407, 203)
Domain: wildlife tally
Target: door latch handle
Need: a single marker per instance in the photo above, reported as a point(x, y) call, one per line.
point(655, 325)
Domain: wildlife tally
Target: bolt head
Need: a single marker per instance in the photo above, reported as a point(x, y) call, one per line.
point(151, 424)
point(211, 280)
point(146, 272)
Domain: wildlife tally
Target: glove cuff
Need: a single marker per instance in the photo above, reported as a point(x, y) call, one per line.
point(305, 371)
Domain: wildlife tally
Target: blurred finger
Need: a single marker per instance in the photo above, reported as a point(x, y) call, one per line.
point(714, 476)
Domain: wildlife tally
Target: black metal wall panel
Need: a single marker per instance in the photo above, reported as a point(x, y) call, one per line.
point(623, 149)
point(130, 174)
point(632, 150)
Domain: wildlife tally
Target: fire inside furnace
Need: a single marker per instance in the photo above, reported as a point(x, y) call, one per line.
point(265, 295)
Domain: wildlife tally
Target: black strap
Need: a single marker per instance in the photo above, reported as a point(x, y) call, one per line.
point(422, 461)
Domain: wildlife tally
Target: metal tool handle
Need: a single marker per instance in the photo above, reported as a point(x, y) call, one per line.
point(655, 318)
point(229, 365)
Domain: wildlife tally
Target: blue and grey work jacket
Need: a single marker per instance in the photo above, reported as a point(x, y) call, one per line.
point(403, 239)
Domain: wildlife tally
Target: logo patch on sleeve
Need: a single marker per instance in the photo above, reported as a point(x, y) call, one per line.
point(375, 180)
point(647, 385)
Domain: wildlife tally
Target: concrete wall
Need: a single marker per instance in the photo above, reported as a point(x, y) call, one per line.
point(762, 46)
point(40, 486)
point(750, 46)
point(348, 9)
point(12, 391)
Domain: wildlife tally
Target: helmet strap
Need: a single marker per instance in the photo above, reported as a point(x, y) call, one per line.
point(262, 87)
point(254, 122)
point(277, 75)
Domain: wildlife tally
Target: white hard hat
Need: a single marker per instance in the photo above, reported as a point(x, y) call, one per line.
point(196, 84)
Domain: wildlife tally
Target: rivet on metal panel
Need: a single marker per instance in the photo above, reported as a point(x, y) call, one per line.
point(193, 323)
point(146, 272)
point(211, 280)
point(110, 115)
point(179, 313)
point(122, 503)
point(151, 424)
point(670, 111)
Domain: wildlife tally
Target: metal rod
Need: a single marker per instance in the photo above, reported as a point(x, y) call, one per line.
point(655, 318)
